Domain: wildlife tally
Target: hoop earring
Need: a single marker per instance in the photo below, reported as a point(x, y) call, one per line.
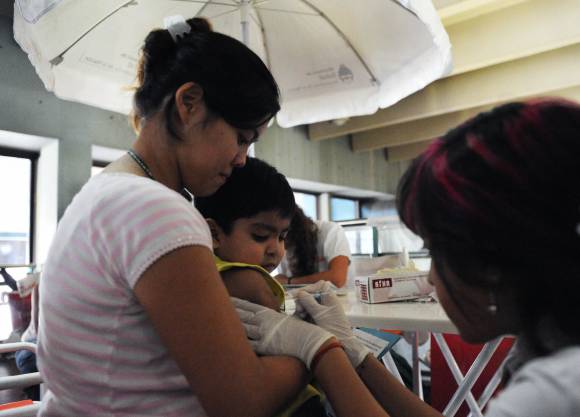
point(492, 306)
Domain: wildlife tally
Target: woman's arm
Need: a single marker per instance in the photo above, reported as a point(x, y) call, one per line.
point(273, 333)
point(337, 273)
point(387, 396)
point(347, 395)
point(190, 309)
point(394, 397)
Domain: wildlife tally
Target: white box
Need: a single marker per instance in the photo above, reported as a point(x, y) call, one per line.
point(392, 286)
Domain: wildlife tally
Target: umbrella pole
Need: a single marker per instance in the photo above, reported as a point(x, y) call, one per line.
point(244, 10)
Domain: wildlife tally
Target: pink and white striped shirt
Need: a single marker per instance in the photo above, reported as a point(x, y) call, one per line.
point(97, 350)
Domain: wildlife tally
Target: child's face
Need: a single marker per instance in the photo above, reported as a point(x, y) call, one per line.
point(257, 240)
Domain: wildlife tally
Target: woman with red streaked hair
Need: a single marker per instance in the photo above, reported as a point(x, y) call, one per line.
point(497, 201)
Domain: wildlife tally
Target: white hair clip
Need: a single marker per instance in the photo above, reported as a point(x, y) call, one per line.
point(177, 26)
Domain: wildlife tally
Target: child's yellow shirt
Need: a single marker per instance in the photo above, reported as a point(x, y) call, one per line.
point(309, 391)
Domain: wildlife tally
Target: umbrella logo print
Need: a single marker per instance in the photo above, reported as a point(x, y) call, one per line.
point(345, 74)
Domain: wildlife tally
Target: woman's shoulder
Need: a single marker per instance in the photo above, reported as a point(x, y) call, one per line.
point(125, 202)
point(563, 365)
point(118, 188)
point(121, 182)
point(545, 386)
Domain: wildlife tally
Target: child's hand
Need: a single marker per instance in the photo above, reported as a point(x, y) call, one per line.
point(282, 279)
point(273, 333)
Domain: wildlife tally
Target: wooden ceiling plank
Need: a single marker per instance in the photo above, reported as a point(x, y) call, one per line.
point(515, 32)
point(471, 9)
point(425, 129)
point(406, 152)
point(530, 76)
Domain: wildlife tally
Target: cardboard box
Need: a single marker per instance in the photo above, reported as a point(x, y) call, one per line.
point(392, 286)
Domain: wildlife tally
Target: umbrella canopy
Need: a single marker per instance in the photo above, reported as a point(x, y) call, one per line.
point(331, 58)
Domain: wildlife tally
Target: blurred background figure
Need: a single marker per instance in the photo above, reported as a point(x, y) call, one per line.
point(315, 250)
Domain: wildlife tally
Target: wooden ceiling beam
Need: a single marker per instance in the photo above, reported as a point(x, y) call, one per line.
point(530, 76)
point(405, 152)
point(410, 132)
point(458, 11)
point(516, 32)
point(425, 129)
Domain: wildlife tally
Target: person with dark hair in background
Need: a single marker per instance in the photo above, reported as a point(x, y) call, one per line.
point(497, 201)
point(133, 309)
point(316, 250)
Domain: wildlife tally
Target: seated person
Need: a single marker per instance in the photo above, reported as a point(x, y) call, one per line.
point(249, 219)
point(316, 250)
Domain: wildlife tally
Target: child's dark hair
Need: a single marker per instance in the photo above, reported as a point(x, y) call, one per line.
point(254, 188)
point(302, 240)
point(236, 84)
point(497, 199)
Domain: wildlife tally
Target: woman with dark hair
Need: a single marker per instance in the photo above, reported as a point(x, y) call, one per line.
point(497, 201)
point(135, 320)
point(316, 250)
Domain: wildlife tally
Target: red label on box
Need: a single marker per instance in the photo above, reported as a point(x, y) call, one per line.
point(382, 283)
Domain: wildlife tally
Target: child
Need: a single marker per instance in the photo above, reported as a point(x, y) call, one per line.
point(249, 219)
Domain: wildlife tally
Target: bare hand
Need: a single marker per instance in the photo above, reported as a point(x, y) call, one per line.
point(282, 279)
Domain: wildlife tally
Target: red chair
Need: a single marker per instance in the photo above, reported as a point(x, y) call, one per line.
point(443, 385)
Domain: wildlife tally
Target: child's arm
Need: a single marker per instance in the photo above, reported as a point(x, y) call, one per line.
point(336, 273)
point(249, 284)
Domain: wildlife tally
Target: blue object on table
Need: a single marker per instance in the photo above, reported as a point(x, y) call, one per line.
point(389, 340)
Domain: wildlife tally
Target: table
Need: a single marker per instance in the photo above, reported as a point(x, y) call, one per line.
point(426, 316)
point(409, 316)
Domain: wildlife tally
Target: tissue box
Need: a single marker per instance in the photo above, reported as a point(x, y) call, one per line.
point(392, 286)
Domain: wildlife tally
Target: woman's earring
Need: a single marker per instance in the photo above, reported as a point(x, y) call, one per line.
point(492, 306)
point(494, 278)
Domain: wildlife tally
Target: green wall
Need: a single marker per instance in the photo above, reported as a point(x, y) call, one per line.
point(26, 107)
point(329, 161)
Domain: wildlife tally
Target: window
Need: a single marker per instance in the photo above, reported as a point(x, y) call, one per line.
point(343, 209)
point(97, 167)
point(308, 203)
point(17, 182)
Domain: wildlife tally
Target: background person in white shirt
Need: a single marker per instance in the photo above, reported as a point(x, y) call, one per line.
point(315, 250)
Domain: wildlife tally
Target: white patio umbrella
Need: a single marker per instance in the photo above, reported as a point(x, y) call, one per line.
point(332, 58)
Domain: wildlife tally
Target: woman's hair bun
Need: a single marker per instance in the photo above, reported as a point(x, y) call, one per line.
point(199, 24)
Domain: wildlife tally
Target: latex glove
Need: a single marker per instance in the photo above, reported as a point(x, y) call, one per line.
point(316, 288)
point(329, 315)
point(274, 333)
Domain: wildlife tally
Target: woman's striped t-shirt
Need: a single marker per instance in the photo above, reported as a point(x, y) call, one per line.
point(98, 352)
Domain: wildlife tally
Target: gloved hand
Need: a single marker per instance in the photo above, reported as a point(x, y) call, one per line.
point(329, 315)
point(316, 288)
point(274, 333)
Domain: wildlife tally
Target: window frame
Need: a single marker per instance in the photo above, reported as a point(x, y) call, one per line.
point(33, 157)
point(315, 195)
point(98, 163)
